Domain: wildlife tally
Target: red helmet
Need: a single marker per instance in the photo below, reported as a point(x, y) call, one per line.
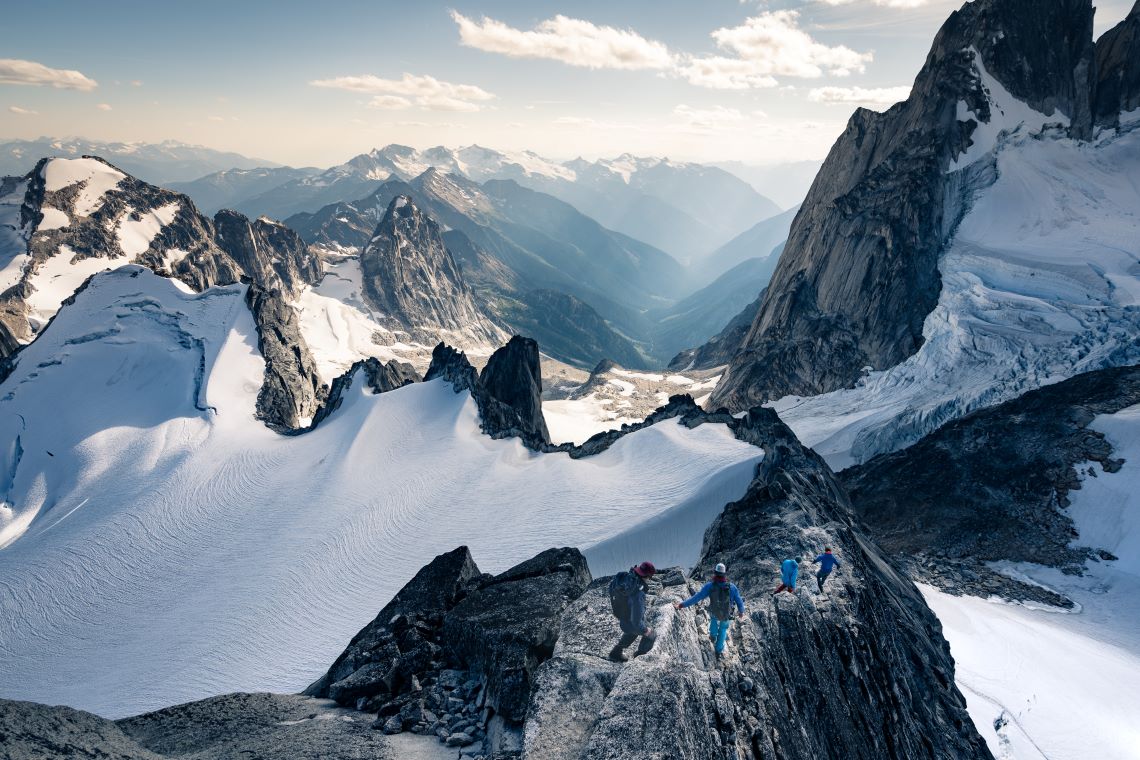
point(645, 569)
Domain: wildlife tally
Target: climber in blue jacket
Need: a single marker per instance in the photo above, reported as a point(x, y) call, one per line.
point(827, 562)
point(789, 571)
point(722, 595)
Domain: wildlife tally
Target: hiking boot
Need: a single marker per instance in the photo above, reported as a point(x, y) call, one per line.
point(617, 655)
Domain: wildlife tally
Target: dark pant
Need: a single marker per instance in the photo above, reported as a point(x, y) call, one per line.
point(820, 577)
point(646, 644)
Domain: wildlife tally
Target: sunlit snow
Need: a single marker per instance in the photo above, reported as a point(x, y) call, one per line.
point(163, 545)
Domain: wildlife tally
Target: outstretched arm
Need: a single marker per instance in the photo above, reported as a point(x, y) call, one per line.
point(704, 592)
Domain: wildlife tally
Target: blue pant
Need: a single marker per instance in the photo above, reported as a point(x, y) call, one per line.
point(718, 632)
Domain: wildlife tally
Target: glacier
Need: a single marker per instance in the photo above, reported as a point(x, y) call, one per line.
point(162, 545)
point(1040, 282)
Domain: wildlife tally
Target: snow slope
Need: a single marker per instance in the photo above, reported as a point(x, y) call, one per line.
point(1041, 282)
point(162, 545)
point(1066, 685)
point(340, 327)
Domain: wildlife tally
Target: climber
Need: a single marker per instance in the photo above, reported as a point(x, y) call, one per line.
point(789, 570)
point(721, 595)
point(827, 562)
point(627, 598)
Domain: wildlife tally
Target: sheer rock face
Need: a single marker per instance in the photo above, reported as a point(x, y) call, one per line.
point(270, 253)
point(859, 273)
point(863, 672)
point(113, 216)
point(1118, 70)
point(412, 280)
point(292, 393)
point(993, 485)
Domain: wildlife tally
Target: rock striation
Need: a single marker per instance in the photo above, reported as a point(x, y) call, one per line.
point(859, 273)
point(994, 485)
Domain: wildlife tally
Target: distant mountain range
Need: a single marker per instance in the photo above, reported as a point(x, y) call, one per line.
point(158, 163)
point(685, 209)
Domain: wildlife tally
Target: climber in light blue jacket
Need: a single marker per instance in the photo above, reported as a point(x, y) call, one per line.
point(789, 571)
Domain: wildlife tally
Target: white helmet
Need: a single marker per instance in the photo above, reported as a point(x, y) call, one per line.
point(720, 569)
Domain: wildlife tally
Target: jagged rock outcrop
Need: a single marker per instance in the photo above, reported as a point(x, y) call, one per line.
point(863, 672)
point(994, 485)
point(411, 279)
point(1118, 70)
point(859, 273)
point(73, 212)
point(292, 393)
point(378, 376)
point(512, 379)
point(508, 627)
point(455, 652)
point(452, 365)
point(508, 392)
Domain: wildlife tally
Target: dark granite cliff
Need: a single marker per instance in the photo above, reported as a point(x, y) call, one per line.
point(859, 273)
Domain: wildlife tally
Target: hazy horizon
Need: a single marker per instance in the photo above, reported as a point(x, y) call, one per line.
point(757, 82)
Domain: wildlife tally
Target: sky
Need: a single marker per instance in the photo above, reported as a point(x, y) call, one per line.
point(316, 83)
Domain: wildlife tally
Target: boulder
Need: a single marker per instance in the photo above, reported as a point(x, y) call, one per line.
point(509, 626)
point(401, 640)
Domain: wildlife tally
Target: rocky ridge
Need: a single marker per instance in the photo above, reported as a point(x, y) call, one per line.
point(871, 639)
point(87, 210)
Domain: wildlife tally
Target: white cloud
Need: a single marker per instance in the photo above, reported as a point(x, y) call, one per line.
point(136, 83)
point(709, 118)
point(573, 41)
point(424, 91)
point(887, 3)
point(23, 111)
point(763, 47)
point(776, 45)
point(216, 118)
point(878, 96)
point(104, 106)
point(16, 71)
point(720, 73)
point(390, 102)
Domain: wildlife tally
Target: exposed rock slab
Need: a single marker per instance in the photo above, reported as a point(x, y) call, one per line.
point(994, 485)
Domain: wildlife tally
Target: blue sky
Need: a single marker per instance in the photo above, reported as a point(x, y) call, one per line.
point(314, 83)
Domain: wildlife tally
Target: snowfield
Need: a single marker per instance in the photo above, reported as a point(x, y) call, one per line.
point(1065, 686)
point(1041, 282)
point(161, 545)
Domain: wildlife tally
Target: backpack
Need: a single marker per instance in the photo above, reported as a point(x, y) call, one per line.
point(623, 585)
point(720, 602)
